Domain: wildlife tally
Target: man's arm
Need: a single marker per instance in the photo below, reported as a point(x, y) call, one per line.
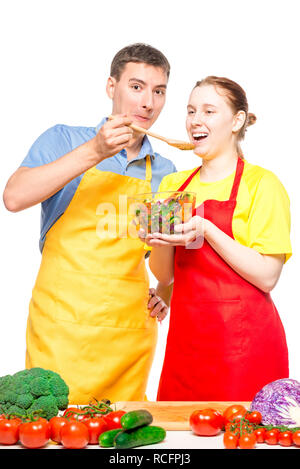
point(30, 186)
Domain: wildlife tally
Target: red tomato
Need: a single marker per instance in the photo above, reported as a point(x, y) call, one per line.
point(113, 419)
point(230, 440)
point(271, 436)
point(206, 422)
point(74, 413)
point(35, 434)
point(296, 437)
point(9, 431)
point(285, 438)
point(254, 417)
point(74, 435)
point(260, 435)
point(234, 411)
point(247, 441)
point(95, 427)
point(56, 424)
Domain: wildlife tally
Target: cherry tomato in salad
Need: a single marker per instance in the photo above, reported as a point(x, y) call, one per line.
point(230, 440)
point(95, 426)
point(56, 424)
point(296, 438)
point(271, 436)
point(206, 422)
point(74, 435)
point(35, 434)
point(285, 438)
point(9, 431)
point(260, 435)
point(113, 419)
point(247, 441)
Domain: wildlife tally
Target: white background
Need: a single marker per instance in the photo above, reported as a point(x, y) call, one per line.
point(55, 59)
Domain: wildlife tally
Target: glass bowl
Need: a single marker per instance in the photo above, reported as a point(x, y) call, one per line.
point(159, 212)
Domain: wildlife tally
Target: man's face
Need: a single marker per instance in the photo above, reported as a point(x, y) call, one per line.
point(140, 93)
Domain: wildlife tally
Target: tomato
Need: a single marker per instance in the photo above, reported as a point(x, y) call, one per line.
point(206, 422)
point(35, 434)
point(74, 413)
point(260, 435)
point(254, 417)
point(247, 441)
point(113, 419)
point(95, 427)
point(296, 437)
point(56, 424)
point(9, 431)
point(271, 436)
point(285, 438)
point(230, 440)
point(74, 435)
point(234, 411)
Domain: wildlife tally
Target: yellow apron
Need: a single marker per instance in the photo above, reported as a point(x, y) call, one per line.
point(88, 316)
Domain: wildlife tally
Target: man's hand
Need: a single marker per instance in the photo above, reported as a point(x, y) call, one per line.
point(113, 136)
point(157, 306)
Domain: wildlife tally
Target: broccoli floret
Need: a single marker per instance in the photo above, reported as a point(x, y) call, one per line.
point(15, 410)
point(33, 389)
point(47, 404)
point(57, 386)
point(40, 387)
point(25, 400)
point(62, 402)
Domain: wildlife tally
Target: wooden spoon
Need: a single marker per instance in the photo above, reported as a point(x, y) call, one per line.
point(174, 143)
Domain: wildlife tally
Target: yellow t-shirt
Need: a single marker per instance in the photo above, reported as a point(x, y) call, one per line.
point(261, 218)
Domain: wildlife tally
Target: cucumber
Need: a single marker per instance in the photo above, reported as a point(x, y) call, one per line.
point(136, 418)
point(139, 437)
point(106, 439)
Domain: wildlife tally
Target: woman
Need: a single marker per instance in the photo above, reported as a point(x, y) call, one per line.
point(225, 340)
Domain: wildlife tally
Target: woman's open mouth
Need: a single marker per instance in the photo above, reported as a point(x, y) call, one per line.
point(199, 137)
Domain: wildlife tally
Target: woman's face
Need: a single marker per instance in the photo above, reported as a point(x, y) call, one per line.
point(210, 122)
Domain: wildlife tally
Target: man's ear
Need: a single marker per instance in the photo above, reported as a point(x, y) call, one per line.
point(110, 87)
point(239, 120)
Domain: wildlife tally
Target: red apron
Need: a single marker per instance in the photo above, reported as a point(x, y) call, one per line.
point(225, 340)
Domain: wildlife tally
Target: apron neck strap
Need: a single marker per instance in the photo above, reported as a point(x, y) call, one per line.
point(237, 179)
point(186, 183)
point(148, 169)
point(236, 182)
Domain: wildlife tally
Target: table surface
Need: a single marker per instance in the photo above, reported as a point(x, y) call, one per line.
point(174, 440)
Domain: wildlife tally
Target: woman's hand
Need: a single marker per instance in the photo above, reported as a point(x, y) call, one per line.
point(190, 234)
point(157, 305)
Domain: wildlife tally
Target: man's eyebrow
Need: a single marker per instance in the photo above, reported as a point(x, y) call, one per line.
point(138, 80)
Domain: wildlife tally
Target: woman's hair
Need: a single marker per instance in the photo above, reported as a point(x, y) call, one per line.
point(237, 100)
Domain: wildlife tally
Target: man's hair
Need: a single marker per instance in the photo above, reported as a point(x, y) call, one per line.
point(138, 53)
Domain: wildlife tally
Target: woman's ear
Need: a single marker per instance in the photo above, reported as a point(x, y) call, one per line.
point(110, 87)
point(238, 121)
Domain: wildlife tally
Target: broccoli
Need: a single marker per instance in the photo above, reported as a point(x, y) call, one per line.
point(34, 389)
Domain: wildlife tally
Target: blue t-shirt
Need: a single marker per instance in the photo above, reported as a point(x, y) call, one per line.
point(61, 139)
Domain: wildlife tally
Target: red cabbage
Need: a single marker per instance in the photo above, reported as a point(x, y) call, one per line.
point(279, 403)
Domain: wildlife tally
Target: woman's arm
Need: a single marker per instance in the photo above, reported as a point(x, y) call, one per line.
point(261, 270)
point(161, 263)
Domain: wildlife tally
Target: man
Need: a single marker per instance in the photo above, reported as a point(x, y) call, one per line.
point(89, 317)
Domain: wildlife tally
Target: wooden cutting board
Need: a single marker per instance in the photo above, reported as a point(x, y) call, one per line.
point(174, 415)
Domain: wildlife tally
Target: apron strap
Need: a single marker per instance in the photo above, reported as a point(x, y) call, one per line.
point(148, 169)
point(237, 179)
point(186, 183)
point(236, 182)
